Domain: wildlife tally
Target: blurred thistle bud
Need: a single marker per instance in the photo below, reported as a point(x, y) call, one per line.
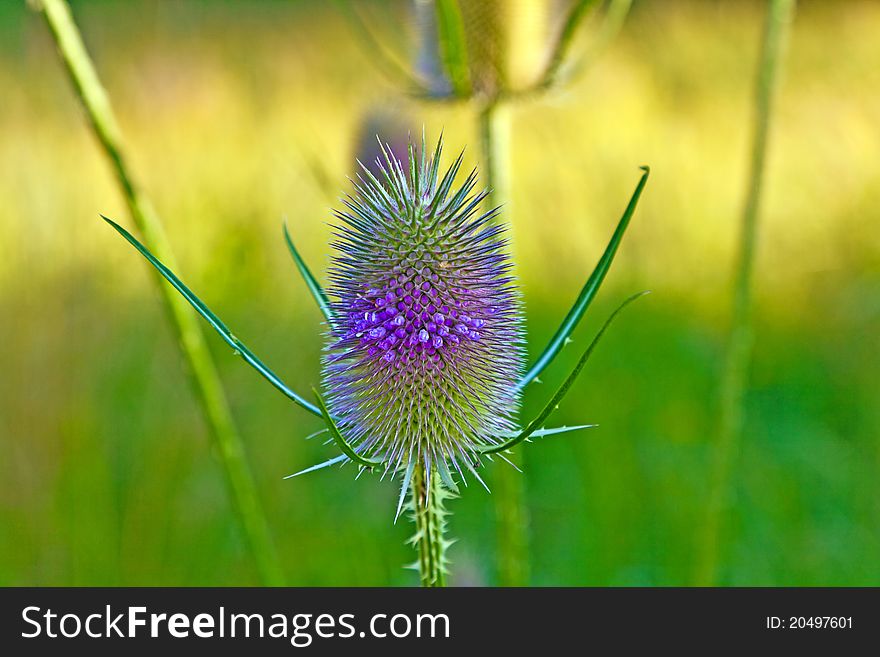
point(503, 45)
point(491, 49)
point(423, 359)
point(494, 48)
point(508, 42)
point(394, 129)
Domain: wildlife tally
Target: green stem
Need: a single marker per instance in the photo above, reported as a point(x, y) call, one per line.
point(512, 518)
point(429, 514)
point(736, 366)
point(511, 511)
point(192, 342)
point(494, 127)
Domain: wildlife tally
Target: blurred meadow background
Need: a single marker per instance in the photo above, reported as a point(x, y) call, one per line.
point(238, 114)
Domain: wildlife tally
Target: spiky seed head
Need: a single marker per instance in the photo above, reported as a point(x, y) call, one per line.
point(427, 342)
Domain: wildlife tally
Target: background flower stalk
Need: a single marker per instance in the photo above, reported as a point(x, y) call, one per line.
point(205, 380)
point(734, 377)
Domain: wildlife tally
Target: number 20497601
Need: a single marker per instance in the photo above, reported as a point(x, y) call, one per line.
point(809, 623)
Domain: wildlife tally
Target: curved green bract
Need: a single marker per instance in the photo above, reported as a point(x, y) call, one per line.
point(343, 445)
point(314, 286)
point(542, 433)
point(377, 53)
point(450, 30)
point(533, 426)
point(588, 292)
point(577, 13)
point(214, 321)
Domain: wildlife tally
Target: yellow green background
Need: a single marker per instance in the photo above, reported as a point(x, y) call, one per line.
point(240, 113)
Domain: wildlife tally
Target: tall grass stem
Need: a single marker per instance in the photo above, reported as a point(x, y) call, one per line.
point(96, 103)
point(511, 510)
point(734, 376)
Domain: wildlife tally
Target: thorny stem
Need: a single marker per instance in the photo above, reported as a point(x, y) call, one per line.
point(192, 341)
point(511, 511)
point(429, 515)
point(779, 16)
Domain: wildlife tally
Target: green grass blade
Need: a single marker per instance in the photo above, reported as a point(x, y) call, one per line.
point(314, 286)
point(453, 49)
point(343, 445)
point(588, 292)
point(553, 404)
point(214, 321)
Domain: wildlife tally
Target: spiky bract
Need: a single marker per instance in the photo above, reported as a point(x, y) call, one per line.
point(426, 343)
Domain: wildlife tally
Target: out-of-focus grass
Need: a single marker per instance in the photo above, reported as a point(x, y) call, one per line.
point(237, 116)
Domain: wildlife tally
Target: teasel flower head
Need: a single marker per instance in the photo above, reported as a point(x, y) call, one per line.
point(427, 339)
